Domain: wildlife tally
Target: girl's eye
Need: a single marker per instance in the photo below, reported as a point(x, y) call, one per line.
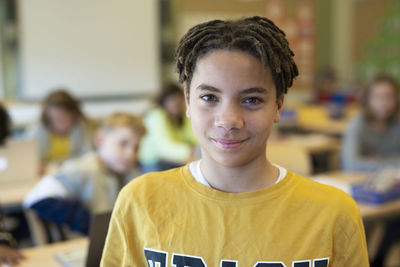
point(252, 100)
point(209, 98)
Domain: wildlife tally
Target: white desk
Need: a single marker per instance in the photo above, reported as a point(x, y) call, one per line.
point(15, 192)
point(43, 256)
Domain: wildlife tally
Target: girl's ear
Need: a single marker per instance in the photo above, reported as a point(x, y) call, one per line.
point(187, 113)
point(187, 102)
point(280, 102)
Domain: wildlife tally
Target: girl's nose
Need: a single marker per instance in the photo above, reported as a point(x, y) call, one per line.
point(229, 118)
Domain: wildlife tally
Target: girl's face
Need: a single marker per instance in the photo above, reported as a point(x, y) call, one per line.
point(382, 100)
point(60, 120)
point(232, 106)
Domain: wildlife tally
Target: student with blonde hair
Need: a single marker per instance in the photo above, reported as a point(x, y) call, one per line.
point(90, 184)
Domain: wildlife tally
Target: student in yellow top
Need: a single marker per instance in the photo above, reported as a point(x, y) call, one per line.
point(234, 207)
point(169, 141)
point(63, 131)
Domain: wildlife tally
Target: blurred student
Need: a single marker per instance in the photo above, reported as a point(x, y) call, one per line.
point(90, 184)
point(169, 141)
point(372, 139)
point(8, 253)
point(63, 131)
point(5, 125)
point(233, 207)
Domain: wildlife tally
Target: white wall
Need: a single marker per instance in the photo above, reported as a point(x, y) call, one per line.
point(92, 47)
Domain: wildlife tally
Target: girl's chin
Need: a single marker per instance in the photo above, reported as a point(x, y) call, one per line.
point(230, 161)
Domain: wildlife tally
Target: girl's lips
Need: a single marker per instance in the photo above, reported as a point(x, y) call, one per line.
point(228, 143)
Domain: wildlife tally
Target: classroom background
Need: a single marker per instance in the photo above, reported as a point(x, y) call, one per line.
point(118, 56)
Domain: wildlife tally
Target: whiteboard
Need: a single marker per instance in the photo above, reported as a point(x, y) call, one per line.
point(91, 47)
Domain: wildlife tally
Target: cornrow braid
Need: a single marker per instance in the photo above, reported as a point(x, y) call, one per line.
point(258, 36)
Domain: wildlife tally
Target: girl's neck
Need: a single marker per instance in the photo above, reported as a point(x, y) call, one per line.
point(257, 174)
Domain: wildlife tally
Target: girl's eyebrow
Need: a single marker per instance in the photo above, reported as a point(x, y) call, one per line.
point(252, 90)
point(207, 87)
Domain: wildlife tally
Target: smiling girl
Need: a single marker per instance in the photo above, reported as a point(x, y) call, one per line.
point(234, 207)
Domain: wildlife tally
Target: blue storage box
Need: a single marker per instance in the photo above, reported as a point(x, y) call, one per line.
point(365, 194)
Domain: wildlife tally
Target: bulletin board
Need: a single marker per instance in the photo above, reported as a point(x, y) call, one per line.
point(300, 28)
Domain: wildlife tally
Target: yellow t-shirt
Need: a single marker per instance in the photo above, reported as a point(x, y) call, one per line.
point(169, 219)
point(59, 147)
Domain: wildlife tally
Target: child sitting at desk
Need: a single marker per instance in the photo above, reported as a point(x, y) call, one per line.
point(8, 254)
point(63, 132)
point(169, 141)
point(90, 184)
point(372, 140)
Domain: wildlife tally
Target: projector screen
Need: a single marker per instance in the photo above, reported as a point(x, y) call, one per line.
point(93, 48)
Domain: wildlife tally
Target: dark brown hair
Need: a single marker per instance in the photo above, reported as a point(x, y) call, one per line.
point(257, 36)
point(171, 89)
point(60, 98)
point(5, 125)
point(378, 79)
point(167, 91)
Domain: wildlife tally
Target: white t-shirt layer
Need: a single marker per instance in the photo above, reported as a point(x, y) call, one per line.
point(195, 170)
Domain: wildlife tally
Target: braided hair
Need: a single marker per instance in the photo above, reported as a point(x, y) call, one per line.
point(257, 36)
